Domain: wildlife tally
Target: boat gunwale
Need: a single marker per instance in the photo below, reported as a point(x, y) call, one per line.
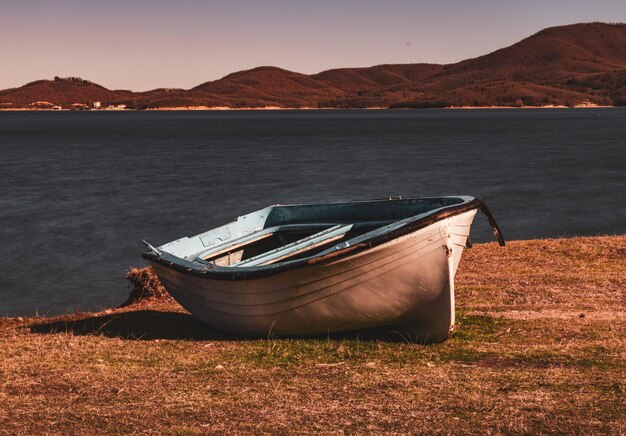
point(254, 272)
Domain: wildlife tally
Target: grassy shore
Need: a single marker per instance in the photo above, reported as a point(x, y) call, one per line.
point(539, 347)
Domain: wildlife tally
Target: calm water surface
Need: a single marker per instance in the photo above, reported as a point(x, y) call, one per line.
point(81, 190)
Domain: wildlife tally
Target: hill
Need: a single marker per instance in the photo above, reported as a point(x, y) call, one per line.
point(578, 64)
point(270, 86)
point(60, 91)
point(558, 65)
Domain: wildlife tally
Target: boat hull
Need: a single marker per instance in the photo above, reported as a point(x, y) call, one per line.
point(405, 285)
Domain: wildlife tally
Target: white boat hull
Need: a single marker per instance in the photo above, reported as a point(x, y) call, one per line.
point(404, 285)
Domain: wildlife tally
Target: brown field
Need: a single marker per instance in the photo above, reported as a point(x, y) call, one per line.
point(539, 347)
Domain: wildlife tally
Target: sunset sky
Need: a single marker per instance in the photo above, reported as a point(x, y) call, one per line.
point(144, 44)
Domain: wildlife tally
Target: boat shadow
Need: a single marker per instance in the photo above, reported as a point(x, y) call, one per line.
point(137, 325)
point(150, 325)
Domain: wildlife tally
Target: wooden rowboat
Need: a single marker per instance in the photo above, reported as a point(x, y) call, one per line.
point(313, 269)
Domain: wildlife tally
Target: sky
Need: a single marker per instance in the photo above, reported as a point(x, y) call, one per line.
point(147, 44)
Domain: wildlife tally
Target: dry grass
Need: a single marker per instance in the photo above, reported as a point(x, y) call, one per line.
point(539, 347)
point(146, 286)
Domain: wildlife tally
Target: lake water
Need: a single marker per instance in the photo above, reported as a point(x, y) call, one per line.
point(81, 190)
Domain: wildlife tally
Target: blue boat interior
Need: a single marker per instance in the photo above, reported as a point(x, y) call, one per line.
point(279, 234)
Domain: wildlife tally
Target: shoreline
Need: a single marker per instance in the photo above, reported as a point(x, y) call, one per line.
point(277, 108)
point(571, 240)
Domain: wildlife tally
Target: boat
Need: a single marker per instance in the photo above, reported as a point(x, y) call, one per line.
point(381, 266)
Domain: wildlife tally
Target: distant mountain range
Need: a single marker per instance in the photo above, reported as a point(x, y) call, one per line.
point(579, 64)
